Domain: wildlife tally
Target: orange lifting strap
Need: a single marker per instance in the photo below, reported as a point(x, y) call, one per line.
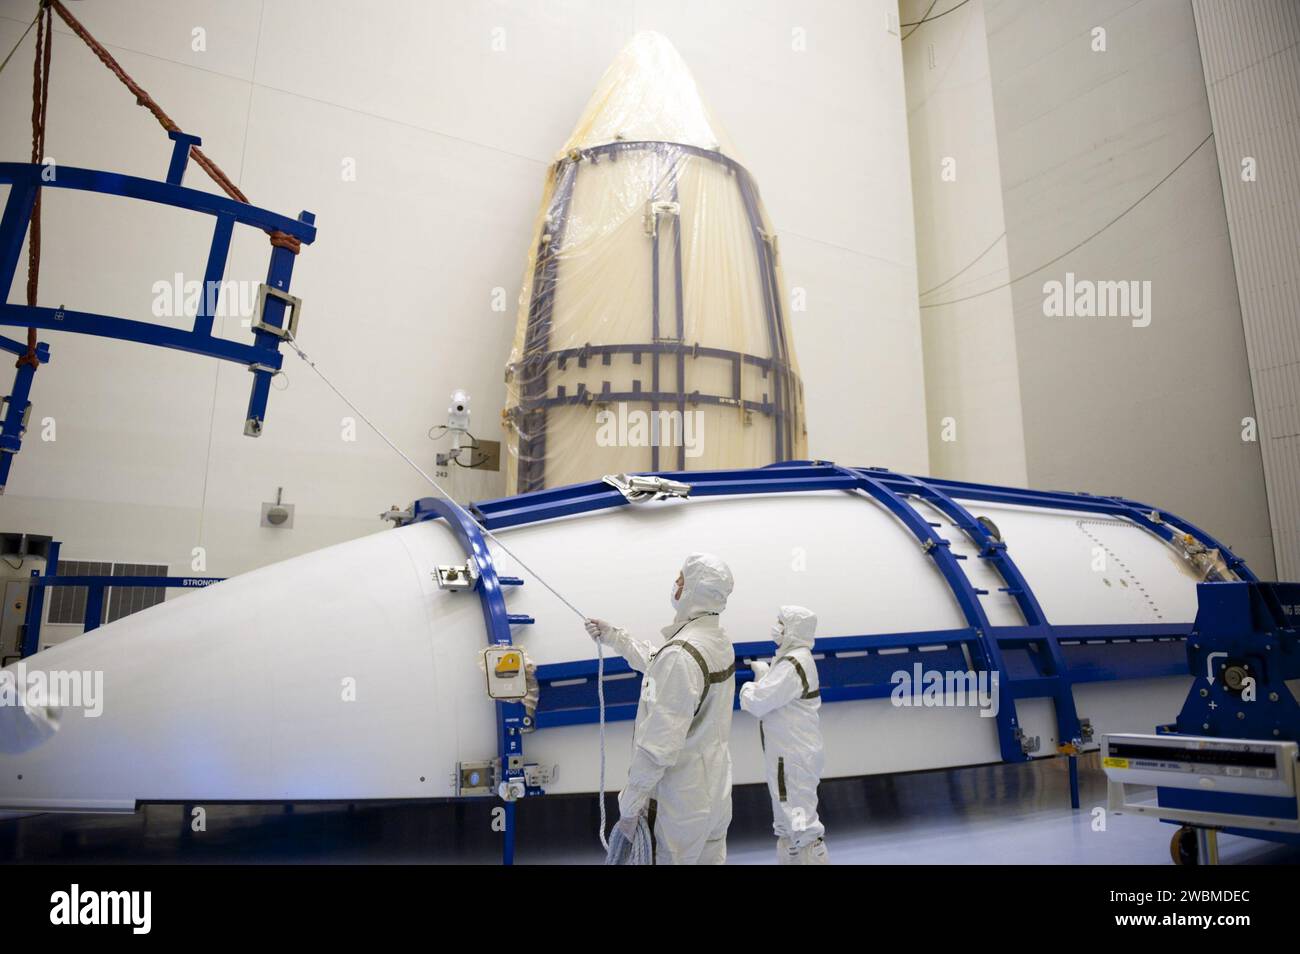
point(40, 103)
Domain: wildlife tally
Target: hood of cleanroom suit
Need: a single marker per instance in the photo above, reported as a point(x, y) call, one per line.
point(708, 583)
point(798, 629)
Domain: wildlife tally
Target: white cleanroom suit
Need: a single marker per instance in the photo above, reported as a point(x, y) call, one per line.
point(786, 698)
point(680, 775)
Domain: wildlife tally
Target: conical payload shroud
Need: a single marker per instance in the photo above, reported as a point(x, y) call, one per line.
point(652, 330)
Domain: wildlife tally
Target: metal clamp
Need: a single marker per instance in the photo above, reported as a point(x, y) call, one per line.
point(27, 414)
point(460, 577)
point(295, 308)
point(654, 209)
point(1029, 744)
point(638, 489)
point(398, 518)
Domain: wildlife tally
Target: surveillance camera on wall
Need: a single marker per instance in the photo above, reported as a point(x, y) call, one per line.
point(458, 412)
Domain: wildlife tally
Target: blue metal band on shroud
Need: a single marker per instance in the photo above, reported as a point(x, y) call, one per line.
point(497, 620)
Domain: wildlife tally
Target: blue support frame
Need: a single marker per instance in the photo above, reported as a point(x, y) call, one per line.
point(986, 653)
point(854, 669)
point(1253, 627)
point(1049, 658)
point(1250, 626)
point(497, 620)
point(262, 357)
point(1061, 656)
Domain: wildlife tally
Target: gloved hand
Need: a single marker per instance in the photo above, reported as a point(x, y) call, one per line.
point(597, 629)
point(760, 668)
point(627, 825)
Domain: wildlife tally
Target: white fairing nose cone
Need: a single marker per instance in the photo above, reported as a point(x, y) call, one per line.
point(347, 674)
point(310, 679)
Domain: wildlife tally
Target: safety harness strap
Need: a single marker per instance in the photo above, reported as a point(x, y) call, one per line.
point(803, 678)
point(710, 678)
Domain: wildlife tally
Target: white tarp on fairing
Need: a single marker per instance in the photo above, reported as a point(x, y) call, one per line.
point(653, 278)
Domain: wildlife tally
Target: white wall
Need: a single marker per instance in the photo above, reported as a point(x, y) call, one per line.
point(972, 379)
point(1078, 136)
point(450, 140)
point(1251, 55)
point(1154, 412)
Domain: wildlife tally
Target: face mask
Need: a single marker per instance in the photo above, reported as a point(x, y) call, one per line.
point(778, 633)
point(673, 598)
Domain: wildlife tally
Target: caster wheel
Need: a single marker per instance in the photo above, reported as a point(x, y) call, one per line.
point(1182, 847)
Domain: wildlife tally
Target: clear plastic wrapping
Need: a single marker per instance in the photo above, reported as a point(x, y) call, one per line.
point(652, 331)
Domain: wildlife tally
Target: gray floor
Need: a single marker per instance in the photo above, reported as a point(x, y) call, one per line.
point(999, 814)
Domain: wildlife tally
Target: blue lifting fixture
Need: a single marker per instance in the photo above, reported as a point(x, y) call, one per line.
point(279, 311)
point(26, 181)
point(1036, 660)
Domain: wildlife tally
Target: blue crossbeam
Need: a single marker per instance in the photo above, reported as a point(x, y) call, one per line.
point(95, 587)
point(861, 667)
point(139, 332)
point(23, 175)
point(174, 582)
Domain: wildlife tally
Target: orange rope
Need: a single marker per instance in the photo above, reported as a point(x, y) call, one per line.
point(40, 104)
point(142, 98)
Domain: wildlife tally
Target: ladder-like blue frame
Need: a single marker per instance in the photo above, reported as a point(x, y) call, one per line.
point(497, 621)
point(262, 356)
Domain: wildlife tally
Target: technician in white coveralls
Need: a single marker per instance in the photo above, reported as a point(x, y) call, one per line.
point(786, 697)
point(680, 776)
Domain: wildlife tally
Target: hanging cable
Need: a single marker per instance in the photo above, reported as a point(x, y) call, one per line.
point(926, 18)
point(600, 704)
point(917, 25)
point(600, 646)
point(1078, 245)
point(10, 56)
point(969, 265)
point(293, 343)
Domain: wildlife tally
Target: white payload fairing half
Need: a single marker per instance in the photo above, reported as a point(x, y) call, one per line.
point(350, 673)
